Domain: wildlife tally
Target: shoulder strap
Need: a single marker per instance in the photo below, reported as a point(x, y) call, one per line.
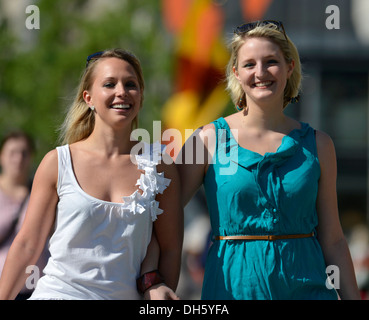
point(221, 123)
point(64, 162)
point(223, 134)
point(14, 222)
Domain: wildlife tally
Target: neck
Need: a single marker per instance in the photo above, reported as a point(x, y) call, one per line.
point(11, 182)
point(111, 142)
point(264, 117)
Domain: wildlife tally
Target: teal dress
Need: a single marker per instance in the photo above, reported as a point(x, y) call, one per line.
point(274, 194)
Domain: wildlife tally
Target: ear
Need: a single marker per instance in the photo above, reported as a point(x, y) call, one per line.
point(290, 68)
point(235, 72)
point(87, 97)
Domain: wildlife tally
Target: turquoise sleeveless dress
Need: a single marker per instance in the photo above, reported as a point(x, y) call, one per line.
point(274, 194)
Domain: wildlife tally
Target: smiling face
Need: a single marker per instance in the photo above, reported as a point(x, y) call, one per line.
point(115, 92)
point(262, 71)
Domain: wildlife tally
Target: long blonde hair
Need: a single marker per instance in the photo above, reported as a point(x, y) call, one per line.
point(80, 119)
point(289, 51)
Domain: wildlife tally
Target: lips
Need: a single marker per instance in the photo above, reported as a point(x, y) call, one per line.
point(263, 84)
point(121, 106)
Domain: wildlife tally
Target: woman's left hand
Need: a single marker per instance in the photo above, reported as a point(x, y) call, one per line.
point(160, 292)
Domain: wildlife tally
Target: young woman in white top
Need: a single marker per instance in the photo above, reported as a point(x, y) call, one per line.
point(97, 204)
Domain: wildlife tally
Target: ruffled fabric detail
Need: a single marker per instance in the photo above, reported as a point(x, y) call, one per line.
point(151, 182)
point(287, 149)
point(268, 164)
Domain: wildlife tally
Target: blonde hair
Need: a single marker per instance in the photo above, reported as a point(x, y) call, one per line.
point(80, 119)
point(289, 51)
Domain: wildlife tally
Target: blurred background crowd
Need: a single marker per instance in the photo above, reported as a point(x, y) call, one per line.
point(182, 45)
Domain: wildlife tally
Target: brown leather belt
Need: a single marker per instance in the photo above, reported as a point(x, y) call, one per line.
point(266, 237)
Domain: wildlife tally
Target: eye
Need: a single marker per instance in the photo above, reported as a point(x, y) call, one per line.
point(248, 65)
point(131, 84)
point(272, 61)
point(109, 85)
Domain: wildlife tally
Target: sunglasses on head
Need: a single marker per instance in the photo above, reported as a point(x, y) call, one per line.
point(244, 28)
point(94, 56)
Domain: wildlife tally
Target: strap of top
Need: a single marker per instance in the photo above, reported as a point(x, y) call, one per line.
point(224, 138)
point(64, 162)
point(221, 123)
point(222, 132)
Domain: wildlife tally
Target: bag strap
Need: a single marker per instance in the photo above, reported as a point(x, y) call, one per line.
point(14, 222)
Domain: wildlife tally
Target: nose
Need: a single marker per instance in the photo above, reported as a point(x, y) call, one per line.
point(260, 70)
point(20, 156)
point(120, 90)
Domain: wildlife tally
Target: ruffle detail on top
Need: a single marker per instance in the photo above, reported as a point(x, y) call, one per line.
point(151, 182)
point(289, 145)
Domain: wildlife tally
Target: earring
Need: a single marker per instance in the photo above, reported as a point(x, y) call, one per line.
point(92, 108)
point(295, 99)
point(239, 106)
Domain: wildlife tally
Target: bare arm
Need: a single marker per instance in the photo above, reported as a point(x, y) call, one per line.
point(330, 234)
point(31, 239)
point(169, 227)
point(151, 262)
point(193, 160)
point(183, 186)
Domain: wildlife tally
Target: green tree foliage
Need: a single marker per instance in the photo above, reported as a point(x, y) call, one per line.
point(40, 69)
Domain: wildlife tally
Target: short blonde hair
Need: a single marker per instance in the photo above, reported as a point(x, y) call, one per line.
point(80, 119)
point(288, 49)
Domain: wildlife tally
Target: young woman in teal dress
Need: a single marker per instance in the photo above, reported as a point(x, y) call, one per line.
point(270, 183)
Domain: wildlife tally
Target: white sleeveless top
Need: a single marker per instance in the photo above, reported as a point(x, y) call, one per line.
point(97, 247)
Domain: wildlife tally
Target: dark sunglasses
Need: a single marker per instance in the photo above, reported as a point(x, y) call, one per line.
point(94, 56)
point(244, 28)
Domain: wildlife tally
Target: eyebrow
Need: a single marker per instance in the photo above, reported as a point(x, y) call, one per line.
point(131, 77)
point(269, 56)
point(272, 55)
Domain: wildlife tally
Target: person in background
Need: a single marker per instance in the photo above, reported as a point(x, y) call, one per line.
point(99, 202)
point(16, 152)
point(270, 183)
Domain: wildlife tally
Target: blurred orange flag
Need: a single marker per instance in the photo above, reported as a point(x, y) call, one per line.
point(201, 56)
point(253, 10)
